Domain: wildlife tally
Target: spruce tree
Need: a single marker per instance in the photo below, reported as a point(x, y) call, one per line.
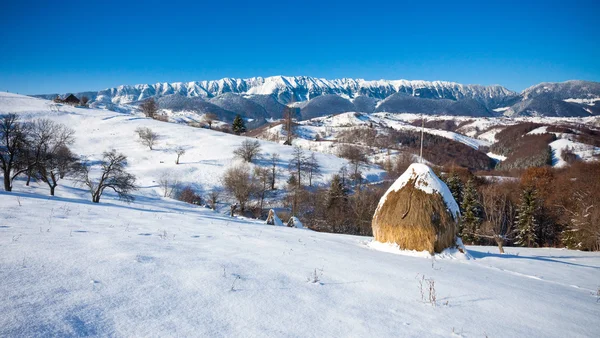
point(238, 125)
point(337, 194)
point(471, 213)
point(456, 187)
point(526, 222)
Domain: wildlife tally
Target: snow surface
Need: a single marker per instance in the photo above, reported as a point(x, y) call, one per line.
point(539, 130)
point(583, 151)
point(158, 267)
point(496, 157)
point(426, 181)
point(588, 101)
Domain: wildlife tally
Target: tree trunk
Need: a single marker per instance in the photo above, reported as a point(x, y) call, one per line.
point(52, 190)
point(7, 185)
point(500, 243)
point(28, 178)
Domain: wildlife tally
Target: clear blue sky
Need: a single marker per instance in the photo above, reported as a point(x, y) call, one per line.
point(90, 45)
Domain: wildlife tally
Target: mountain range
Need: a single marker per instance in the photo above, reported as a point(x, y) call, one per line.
point(262, 99)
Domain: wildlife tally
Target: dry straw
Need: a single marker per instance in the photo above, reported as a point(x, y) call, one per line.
point(415, 220)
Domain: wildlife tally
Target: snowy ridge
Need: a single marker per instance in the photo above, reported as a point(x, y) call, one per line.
point(426, 181)
point(302, 88)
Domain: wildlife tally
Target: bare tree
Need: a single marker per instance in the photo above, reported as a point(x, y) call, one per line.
point(288, 123)
point(357, 158)
point(46, 138)
point(297, 165)
point(13, 148)
point(147, 136)
point(240, 182)
point(84, 101)
point(248, 150)
point(209, 118)
point(213, 198)
point(273, 161)
point(168, 183)
point(313, 169)
point(113, 176)
point(180, 151)
point(499, 215)
point(149, 107)
point(55, 164)
point(263, 176)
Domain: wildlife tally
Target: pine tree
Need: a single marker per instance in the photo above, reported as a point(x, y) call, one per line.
point(526, 222)
point(238, 125)
point(471, 212)
point(456, 187)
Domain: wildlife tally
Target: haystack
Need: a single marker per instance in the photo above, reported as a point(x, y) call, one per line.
point(417, 212)
point(273, 219)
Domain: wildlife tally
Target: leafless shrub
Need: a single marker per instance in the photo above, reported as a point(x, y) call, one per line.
point(213, 198)
point(240, 182)
point(168, 183)
point(188, 195)
point(315, 276)
point(209, 119)
point(427, 289)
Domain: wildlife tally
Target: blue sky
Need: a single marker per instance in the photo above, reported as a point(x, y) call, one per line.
point(90, 45)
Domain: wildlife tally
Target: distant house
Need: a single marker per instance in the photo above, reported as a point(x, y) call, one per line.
point(69, 99)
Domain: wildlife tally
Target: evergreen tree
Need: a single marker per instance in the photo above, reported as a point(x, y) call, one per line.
point(526, 222)
point(337, 194)
point(471, 213)
point(337, 205)
point(238, 125)
point(456, 187)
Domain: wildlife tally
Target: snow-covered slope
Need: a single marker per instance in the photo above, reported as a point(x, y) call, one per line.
point(158, 267)
point(163, 268)
point(425, 180)
point(208, 153)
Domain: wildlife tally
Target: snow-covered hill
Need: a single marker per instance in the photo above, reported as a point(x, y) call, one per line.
point(159, 267)
point(208, 153)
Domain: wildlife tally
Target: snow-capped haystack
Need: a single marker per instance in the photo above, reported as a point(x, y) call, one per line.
point(417, 212)
point(273, 219)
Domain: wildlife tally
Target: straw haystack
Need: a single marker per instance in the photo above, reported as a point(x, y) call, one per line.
point(417, 212)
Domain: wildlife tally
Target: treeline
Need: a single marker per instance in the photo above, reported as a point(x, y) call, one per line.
point(543, 207)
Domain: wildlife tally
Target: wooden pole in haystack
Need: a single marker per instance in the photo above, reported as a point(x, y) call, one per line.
point(422, 128)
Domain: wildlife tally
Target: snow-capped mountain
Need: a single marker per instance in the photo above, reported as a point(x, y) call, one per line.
point(303, 88)
point(263, 98)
